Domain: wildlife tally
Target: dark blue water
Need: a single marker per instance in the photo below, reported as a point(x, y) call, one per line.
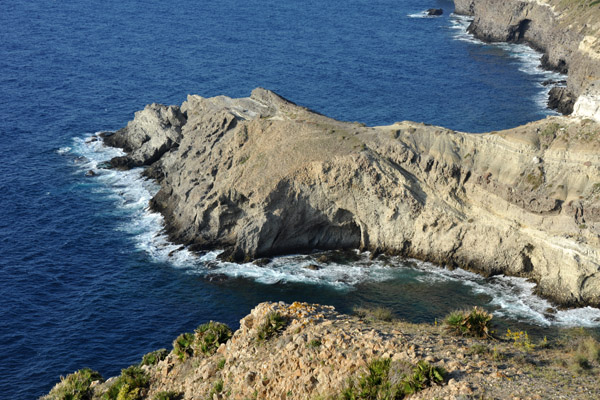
point(76, 287)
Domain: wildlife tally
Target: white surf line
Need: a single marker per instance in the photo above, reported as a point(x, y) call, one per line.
point(529, 60)
point(513, 297)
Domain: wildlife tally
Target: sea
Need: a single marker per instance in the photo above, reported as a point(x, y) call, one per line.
point(87, 276)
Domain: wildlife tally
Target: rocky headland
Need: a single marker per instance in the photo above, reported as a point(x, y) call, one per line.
point(262, 176)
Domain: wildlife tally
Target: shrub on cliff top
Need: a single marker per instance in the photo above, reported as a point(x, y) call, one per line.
point(130, 385)
point(476, 322)
point(379, 383)
point(274, 323)
point(183, 346)
point(154, 357)
point(209, 336)
point(75, 386)
point(168, 395)
point(374, 314)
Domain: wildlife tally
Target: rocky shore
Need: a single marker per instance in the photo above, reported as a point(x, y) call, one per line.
point(261, 176)
point(567, 32)
point(312, 352)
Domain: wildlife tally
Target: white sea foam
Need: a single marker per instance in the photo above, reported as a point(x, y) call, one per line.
point(511, 297)
point(529, 60)
point(293, 269)
point(421, 14)
point(514, 298)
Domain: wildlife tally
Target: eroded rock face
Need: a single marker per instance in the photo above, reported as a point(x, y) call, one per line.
point(565, 33)
point(261, 176)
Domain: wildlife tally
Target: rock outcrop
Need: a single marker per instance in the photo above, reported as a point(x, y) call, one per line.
point(316, 353)
point(567, 33)
point(261, 176)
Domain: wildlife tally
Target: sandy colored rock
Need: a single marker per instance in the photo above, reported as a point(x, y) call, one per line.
point(261, 176)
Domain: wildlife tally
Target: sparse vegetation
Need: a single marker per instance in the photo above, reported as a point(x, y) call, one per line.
point(476, 322)
point(535, 179)
point(154, 357)
point(183, 346)
point(209, 336)
point(374, 314)
point(313, 344)
point(273, 324)
point(75, 386)
point(130, 385)
point(380, 381)
point(520, 340)
point(168, 395)
point(221, 364)
point(217, 388)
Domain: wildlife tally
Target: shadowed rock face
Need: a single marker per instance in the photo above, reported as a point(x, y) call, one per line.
point(260, 176)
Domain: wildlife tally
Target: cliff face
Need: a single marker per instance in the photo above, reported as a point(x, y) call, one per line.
point(566, 31)
point(261, 176)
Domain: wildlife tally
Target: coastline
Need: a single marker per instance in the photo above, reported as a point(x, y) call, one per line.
point(408, 189)
point(565, 32)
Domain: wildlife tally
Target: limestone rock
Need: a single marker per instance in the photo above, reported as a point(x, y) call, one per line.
point(261, 176)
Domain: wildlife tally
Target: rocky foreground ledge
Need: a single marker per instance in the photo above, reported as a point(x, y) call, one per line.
point(261, 176)
point(308, 351)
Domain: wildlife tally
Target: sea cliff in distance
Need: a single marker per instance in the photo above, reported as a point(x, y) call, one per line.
point(262, 176)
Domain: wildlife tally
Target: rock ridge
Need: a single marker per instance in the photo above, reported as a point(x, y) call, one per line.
point(262, 176)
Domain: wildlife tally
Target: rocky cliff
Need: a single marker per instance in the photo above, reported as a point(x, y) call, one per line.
point(567, 31)
point(261, 176)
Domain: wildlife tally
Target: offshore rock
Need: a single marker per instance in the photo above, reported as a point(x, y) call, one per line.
point(435, 11)
point(261, 176)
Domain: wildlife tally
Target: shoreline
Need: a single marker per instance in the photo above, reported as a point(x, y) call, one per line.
point(535, 200)
point(551, 27)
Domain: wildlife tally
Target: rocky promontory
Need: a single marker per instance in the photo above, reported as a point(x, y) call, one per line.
point(261, 176)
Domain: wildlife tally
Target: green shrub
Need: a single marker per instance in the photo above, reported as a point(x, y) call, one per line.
point(154, 357)
point(183, 346)
point(170, 395)
point(210, 335)
point(216, 389)
point(373, 385)
point(476, 322)
point(424, 375)
point(273, 324)
point(520, 339)
point(313, 344)
point(590, 348)
point(378, 382)
point(75, 386)
point(130, 385)
point(221, 364)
